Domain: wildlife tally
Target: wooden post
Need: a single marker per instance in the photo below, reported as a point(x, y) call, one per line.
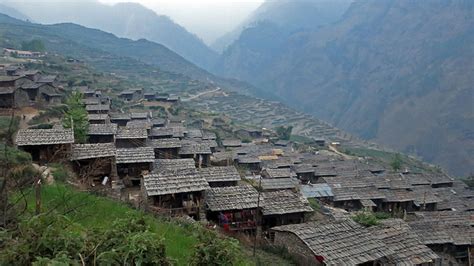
point(38, 195)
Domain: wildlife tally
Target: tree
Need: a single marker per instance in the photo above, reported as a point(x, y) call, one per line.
point(76, 117)
point(396, 163)
point(33, 45)
point(283, 132)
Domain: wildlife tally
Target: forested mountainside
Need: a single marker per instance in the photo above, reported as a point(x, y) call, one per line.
point(129, 20)
point(289, 16)
point(397, 72)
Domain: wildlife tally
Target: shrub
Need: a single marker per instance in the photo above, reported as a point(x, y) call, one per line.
point(53, 239)
point(214, 250)
point(370, 218)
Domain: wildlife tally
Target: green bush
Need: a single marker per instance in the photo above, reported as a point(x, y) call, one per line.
point(60, 173)
point(54, 239)
point(214, 250)
point(370, 218)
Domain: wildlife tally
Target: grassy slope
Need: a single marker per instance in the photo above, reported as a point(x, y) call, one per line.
point(93, 211)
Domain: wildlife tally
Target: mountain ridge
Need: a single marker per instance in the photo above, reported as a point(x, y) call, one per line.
point(389, 71)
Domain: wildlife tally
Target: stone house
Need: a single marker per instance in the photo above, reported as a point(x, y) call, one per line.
point(46, 145)
point(131, 137)
point(95, 161)
point(233, 208)
point(132, 163)
point(165, 148)
point(102, 133)
point(175, 193)
point(283, 207)
point(336, 243)
point(120, 119)
point(221, 176)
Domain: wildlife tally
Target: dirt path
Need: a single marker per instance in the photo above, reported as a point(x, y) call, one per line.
point(26, 114)
point(334, 149)
point(200, 94)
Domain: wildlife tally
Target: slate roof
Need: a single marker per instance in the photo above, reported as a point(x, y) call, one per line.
point(102, 129)
point(139, 115)
point(303, 168)
point(91, 151)
point(91, 101)
point(47, 78)
point(102, 117)
point(169, 143)
point(98, 107)
point(119, 116)
point(29, 137)
point(231, 143)
point(161, 132)
point(231, 198)
point(131, 133)
point(398, 195)
point(317, 191)
point(283, 202)
point(406, 245)
point(246, 159)
point(189, 148)
point(139, 124)
point(279, 173)
point(7, 90)
point(209, 135)
point(279, 183)
point(365, 193)
point(444, 227)
point(220, 173)
point(165, 183)
point(340, 243)
point(135, 155)
point(158, 121)
point(194, 133)
point(173, 165)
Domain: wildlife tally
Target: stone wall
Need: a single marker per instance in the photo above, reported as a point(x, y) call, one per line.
point(296, 247)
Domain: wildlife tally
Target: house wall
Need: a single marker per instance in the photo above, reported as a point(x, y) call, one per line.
point(296, 247)
point(101, 138)
point(133, 143)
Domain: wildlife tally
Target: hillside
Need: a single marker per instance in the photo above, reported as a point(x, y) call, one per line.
point(128, 20)
point(289, 16)
point(390, 71)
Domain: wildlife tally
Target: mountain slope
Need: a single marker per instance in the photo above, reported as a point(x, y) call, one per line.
point(12, 12)
point(127, 20)
point(289, 16)
point(397, 72)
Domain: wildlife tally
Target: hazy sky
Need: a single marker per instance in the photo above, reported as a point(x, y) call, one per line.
point(209, 19)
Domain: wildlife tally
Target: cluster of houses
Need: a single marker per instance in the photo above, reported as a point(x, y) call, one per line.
point(265, 187)
point(22, 53)
point(20, 88)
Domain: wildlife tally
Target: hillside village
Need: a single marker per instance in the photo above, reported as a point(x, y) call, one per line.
point(233, 172)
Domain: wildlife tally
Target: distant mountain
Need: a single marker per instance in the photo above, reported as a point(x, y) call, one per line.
point(12, 12)
point(400, 72)
point(289, 16)
point(127, 20)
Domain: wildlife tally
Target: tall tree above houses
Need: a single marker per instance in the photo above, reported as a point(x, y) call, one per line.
point(76, 117)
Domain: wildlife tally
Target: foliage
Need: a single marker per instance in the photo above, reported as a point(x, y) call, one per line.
point(82, 209)
point(76, 117)
point(214, 250)
point(49, 238)
point(396, 162)
point(13, 157)
point(370, 218)
point(33, 45)
point(284, 133)
point(59, 171)
point(314, 203)
point(8, 127)
point(469, 181)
